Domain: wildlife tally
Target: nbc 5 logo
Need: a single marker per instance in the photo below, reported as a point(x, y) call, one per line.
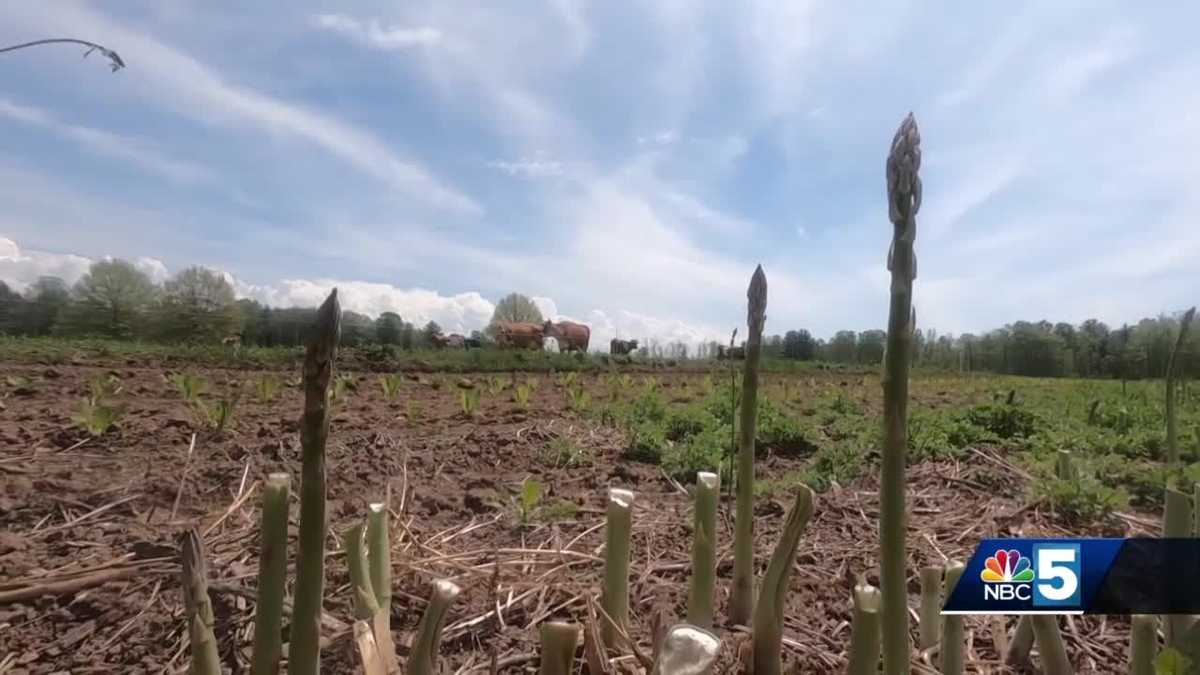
point(1058, 570)
point(1050, 579)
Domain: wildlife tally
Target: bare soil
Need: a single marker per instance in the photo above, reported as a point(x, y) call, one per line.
point(88, 538)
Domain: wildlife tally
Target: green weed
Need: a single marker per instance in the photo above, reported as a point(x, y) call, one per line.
point(266, 387)
point(390, 384)
point(190, 386)
point(468, 399)
point(96, 417)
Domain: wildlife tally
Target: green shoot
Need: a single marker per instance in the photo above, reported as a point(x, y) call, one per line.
point(390, 384)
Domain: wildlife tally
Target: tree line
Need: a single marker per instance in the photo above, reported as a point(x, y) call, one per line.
point(1032, 348)
point(115, 299)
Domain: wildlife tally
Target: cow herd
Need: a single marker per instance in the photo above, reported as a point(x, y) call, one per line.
point(569, 336)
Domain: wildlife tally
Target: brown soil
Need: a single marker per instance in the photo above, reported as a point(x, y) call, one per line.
point(76, 508)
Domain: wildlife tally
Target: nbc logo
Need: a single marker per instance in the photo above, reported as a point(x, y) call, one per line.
point(1007, 576)
point(1007, 567)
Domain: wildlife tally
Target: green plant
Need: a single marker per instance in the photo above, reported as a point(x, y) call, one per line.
point(578, 399)
point(414, 411)
point(19, 382)
point(704, 550)
point(304, 656)
point(930, 624)
point(1172, 441)
point(272, 576)
point(1050, 644)
point(468, 399)
point(100, 387)
point(390, 384)
point(496, 384)
point(1004, 420)
point(558, 648)
point(864, 630)
point(904, 200)
point(741, 601)
point(190, 386)
point(198, 606)
point(521, 396)
point(343, 385)
point(1080, 500)
point(427, 642)
point(615, 595)
point(220, 412)
point(267, 386)
point(97, 417)
point(772, 597)
point(952, 627)
point(562, 453)
point(703, 451)
point(527, 501)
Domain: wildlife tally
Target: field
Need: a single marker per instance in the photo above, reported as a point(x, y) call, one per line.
point(508, 499)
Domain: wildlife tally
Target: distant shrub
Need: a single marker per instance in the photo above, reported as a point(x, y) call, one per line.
point(1003, 419)
point(702, 451)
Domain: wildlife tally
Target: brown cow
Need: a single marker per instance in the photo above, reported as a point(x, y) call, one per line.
point(621, 347)
point(519, 335)
point(571, 336)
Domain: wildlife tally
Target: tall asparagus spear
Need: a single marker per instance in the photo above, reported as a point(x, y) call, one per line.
point(741, 602)
point(1172, 433)
point(304, 651)
point(904, 200)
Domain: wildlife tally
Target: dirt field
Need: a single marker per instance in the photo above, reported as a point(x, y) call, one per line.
point(88, 526)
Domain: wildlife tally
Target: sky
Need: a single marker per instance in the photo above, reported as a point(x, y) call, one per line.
point(626, 164)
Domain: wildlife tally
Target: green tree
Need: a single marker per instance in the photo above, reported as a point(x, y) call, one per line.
point(388, 328)
point(111, 300)
point(11, 308)
point(45, 301)
point(870, 346)
point(357, 329)
point(198, 304)
point(843, 346)
point(430, 330)
point(514, 307)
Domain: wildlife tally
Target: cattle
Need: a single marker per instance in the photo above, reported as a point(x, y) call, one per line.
point(519, 335)
point(234, 340)
point(572, 337)
point(735, 353)
point(622, 347)
point(453, 340)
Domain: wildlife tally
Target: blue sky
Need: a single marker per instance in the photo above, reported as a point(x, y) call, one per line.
point(627, 163)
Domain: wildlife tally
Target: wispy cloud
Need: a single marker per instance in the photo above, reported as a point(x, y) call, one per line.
point(121, 147)
point(172, 78)
point(535, 167)
point(372, 33)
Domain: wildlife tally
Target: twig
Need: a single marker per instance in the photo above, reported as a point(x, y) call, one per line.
point(90, 514)
point(187, 465)
point(68, 586)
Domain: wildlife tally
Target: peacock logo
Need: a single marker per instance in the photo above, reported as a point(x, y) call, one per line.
point(1007, 567)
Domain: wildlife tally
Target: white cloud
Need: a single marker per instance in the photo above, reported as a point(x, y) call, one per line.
point(133, 150)
point(372, 33)
point(20, 268)
point(535, 167)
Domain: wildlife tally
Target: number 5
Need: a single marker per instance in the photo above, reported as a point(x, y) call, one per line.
point(1047, 568)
